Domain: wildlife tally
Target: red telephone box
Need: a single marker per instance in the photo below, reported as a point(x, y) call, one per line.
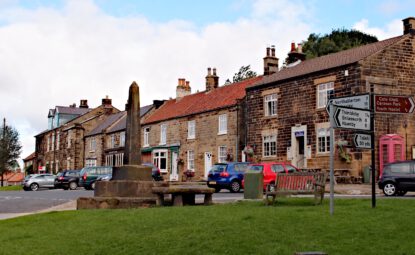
point(391, 149)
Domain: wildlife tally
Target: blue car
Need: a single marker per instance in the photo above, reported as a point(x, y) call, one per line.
point(227, 176)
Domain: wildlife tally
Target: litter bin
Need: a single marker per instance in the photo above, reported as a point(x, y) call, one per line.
point(253, 185)
point(366, 174)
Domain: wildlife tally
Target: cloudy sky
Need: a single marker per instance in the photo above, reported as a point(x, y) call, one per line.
point(58, 52)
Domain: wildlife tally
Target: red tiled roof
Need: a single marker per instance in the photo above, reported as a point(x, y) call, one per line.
point(16, 177)
point(220, 97)
point(328, 61)
point(30, 157)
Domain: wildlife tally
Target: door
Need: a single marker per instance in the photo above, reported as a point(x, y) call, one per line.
point(298, 145)
point(174, 170)
point(208, 163)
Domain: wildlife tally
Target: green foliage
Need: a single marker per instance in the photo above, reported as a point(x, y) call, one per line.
point(11, 188)
point(10, 149)
point(337, 40)
point(292, 225)
point(244, 73)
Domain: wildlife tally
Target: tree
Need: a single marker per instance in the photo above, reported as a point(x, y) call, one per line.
point(244, 73)
point(10, 148)
point(337, 40)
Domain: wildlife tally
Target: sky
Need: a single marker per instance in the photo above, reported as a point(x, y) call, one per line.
point(59, 52)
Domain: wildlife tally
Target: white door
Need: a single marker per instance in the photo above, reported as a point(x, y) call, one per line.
point(298, 146)
point(208, 163)
point(174, 171)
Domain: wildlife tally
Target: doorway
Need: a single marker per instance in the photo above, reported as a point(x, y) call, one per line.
point(208, 163)
point(174, 169)
point(298, 145)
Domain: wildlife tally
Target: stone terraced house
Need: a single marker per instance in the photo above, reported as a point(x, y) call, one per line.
point(286, 111)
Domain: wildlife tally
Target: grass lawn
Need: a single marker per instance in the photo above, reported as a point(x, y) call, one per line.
point(295, 224)
point(11, 188)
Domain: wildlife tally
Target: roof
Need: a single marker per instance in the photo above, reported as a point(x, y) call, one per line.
point(30, 157)
point(328, 61)
point(122, 123)
point(218, 98)
point(72, 110)
point(13, 177)
point(106, 123)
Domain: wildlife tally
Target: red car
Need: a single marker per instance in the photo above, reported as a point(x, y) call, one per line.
point(271, 169)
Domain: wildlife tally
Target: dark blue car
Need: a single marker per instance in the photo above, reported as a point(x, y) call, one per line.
point(227, 176)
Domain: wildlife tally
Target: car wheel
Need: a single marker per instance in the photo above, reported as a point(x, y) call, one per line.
point(73, 185)
point(217, 189)
point(271, 187)
point(34, 186)
point(401, 193)
point(235, 186)
point(389, 189)
point(93, 185)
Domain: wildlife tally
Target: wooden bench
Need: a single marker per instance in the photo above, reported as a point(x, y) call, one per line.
point(183, 194)
point(297, 184)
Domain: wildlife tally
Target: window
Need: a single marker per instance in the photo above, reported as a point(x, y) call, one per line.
point(191, 160)
point(119, 159)
point(191, 129)
point(146, 137)
point(92, 144)
point(58, 140)
point(47, 143)
point(323, 137)
point(402, 168)
point(269, 145)
point(111, 141)
point(53, 142)
point(57, 166)
point(68, 139)
point(324, 92)
point(270, 105)
point(277, 169)
point(163, 131)
point(122, 139)
point(222, 154)
point(240, 167)
point(223, 124)
point(109, 160)
point(90, 162)
point(160, 160)
point(68, 163)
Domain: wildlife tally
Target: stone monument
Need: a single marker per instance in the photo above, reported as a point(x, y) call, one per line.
point(131, 184)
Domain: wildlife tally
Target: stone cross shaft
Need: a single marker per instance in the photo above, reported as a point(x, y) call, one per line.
point(132, 152)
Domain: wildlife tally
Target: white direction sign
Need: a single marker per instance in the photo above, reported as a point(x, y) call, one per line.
point(359, 101)
point(363, 141)
point(351, 118)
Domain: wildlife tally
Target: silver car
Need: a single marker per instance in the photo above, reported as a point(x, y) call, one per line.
point(36, 181)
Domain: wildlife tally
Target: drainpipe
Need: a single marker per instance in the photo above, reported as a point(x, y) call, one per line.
point(237, 132)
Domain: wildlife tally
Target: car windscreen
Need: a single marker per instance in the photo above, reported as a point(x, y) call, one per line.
point(218, 168)
point(256, 168)
point(402, 168)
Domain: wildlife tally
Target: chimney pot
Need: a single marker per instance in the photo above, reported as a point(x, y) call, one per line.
point(214, 71)
point(83, 103)
point(300, 48)
point(268, 52)
point(188, 84)
point(209, 71)
point(272, 51)
point(293, 47)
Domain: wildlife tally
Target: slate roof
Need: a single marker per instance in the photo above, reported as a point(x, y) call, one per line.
point(122, 124)
point(106, 123)
point(72, 110)
point(328, 61)
point(30, 157)
point(218, 98)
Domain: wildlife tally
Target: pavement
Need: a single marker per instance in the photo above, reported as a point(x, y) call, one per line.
point(339, 189)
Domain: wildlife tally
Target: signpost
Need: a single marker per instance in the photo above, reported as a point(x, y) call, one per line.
point(362, 141)
point(351, 118)
point(394, 104)
point(359, 102)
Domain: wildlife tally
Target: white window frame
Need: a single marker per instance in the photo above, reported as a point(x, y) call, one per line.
point(191, 160)
point(47, 143)
point(323, 136)
point(109, 160)
point(119, 159)
point(323, 91)
point(111, 141)
point(191, 129)
point(122, 139)
point(58, 140)
point(146, 137)
point(157, 159)
point(222, 124)
point(68, 163)
point(268, 150)
point(222, 154)
point(53, 142)
point(92, 144)
point(68, 139)
point(163, 134)
point(270, 104)
point(57, 166)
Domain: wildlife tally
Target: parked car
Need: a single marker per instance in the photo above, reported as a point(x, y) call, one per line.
point(67, 179)
point(271, 169)
point(227, 176)
point(155, 172)
point(397, 178)
point(36, 181)
point(89, 175)
point(106, 177)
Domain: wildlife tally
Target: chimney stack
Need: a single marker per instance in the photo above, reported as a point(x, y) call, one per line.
point(183, 88)
point(270, 61)
point(212, 80)
point(408, 25)
point(83, 104)
point(295, 54)
point(107, 102)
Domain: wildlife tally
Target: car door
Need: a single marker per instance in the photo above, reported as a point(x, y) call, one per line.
point(411, 184)
point(402, 173)
point(49, 181)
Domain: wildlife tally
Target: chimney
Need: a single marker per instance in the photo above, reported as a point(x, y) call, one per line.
point(212, 80)
point(83, 104)
point(408, 25)
point(183, 88)
point(72, 105)
point(107, 102)
point(295, 54)
point(270, 61)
